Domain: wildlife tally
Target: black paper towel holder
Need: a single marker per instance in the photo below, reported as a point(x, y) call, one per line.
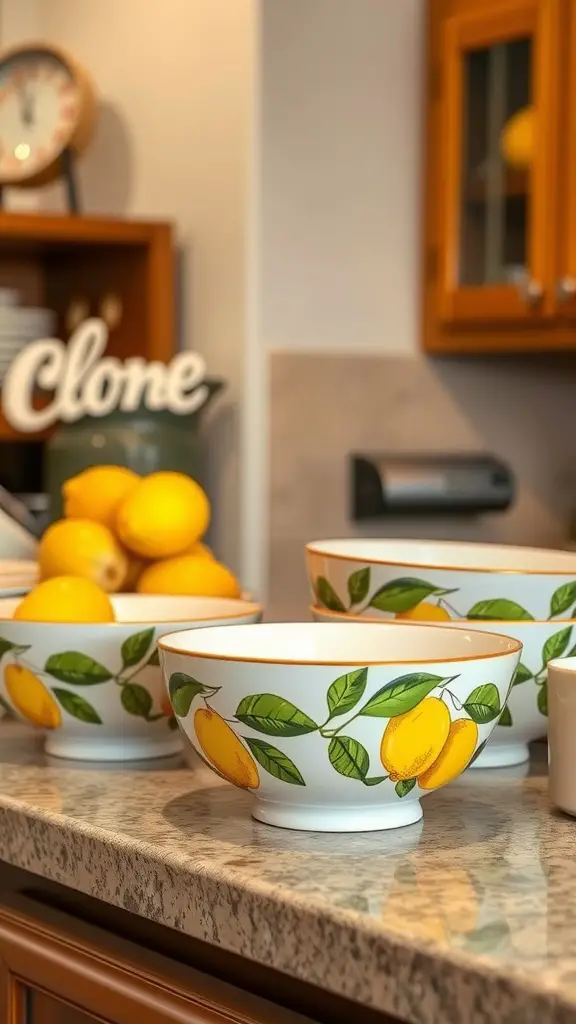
point(457, 483)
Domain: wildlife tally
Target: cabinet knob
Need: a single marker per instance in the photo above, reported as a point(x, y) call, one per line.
point(566, 289)
point(529, 290)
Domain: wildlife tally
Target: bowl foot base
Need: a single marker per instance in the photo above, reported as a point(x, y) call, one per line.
point(337, 819)
point(502, 755)
point(120, 749)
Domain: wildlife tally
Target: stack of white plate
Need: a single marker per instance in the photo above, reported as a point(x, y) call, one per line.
point(17, 576)
point(20, 325)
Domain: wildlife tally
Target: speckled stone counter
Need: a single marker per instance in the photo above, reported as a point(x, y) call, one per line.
point(466, 918)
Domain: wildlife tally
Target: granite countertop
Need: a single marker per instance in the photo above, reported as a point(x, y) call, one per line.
point(466, 918)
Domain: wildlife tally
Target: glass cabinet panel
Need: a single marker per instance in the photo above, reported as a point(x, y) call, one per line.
point(497, 120)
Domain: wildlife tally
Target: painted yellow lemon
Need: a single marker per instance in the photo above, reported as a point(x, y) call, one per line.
point(163, 515)
point(79, 547)
point(412, 742)
point(518, 139)
point(224, 750)
point(97, 493)
point(454, 757)
point(66, 599)
point(188, 574)
point(31, 698)
point(425, 611)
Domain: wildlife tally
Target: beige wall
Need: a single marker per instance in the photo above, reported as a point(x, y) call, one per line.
point(341, 170)
point(175, 80)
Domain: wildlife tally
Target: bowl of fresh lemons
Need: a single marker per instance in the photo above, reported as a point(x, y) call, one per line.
point(78, 655)
point(338, 729)
point(83, 665)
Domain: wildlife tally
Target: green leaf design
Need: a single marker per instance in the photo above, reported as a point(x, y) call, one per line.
point(405, 786)
point(401, 695)
point(274, 716)
point(556, 645)
point(136, 700)
point(136, 646)
point(349, 757)
point(376, 780)
point(327, 596)
point(275, 762)
point(359, 585)
point(403, 594)
point(77, 706)
point(183, 689)
point(562, 599)
point(498, 608)
point(542, 699)
point(505, 717)
point(154, 658)
point(76, 669)
point(483, 704)
point(6, 645)
point(477, 753)
point(522, 675)
point(346, 691)
point(172, 723)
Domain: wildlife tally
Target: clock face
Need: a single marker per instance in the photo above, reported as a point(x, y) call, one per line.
point(39, 107)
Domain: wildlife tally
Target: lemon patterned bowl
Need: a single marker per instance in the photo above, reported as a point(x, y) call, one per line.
point(525, 717)
point(338, 729)
point(97, 688)
point(441, 580)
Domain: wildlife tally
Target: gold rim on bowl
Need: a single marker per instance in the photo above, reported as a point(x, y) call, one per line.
point(441, 624)
point(516, 646)
point(312, 550)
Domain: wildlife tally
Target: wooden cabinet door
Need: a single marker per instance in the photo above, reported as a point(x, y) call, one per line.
point(566, 277)
point(57, 970)
point(498, 239)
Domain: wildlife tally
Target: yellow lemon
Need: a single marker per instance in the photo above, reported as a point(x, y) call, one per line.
point(79, 547)
point(31, 698)
point(199, 550)
point(198, 577)
point(454, 757)
point(425, 611)
point(134, 571)
point(224, 750)
point(163, 515)
point(66, 599)
point(412, 742)
point(97, 492)
point(518, 139)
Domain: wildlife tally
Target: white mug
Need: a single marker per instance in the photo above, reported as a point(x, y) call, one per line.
point(562, 733)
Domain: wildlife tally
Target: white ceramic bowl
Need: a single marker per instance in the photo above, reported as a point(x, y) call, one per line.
point(338, 729)
point(431, 580)
point(97, 688)
point(525, 716)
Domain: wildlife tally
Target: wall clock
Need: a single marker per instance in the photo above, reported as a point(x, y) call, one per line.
point(47, 113)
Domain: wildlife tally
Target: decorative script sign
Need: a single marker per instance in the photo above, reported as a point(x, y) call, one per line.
point(85, 382)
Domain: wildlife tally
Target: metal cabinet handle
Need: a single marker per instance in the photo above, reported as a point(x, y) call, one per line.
point(529, 290)
point(566, 289)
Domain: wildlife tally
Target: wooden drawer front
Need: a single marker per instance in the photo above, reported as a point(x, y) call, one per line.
point(57, 970)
